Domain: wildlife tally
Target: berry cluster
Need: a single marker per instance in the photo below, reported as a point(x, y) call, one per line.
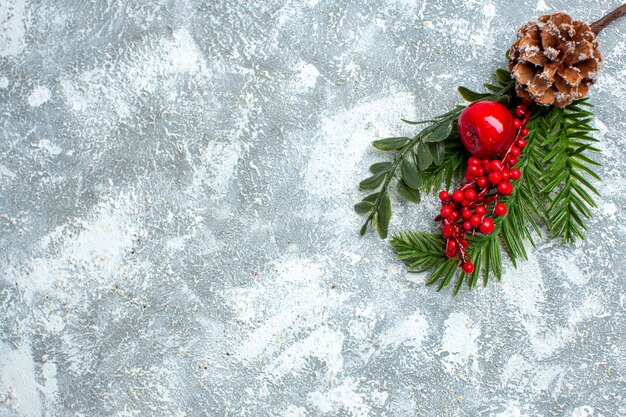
point(467, 209)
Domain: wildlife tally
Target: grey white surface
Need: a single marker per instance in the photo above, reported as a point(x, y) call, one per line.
point(176, 227)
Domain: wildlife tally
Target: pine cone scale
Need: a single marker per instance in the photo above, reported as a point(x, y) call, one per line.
point(588, 68)
point(554, 60)
point(570, 75)
point(524, 73)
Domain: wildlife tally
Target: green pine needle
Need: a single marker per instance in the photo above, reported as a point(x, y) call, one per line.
point(567, 170)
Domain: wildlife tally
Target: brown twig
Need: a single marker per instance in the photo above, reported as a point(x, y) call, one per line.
point(597, 26)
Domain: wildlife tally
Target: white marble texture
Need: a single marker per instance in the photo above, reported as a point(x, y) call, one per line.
point(176, 227)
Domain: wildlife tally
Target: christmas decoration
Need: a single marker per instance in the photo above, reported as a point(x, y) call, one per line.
point(521, 154)
point(486, 128)
point(466, 209)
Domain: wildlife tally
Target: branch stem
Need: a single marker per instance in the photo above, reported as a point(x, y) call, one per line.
point(597, 26)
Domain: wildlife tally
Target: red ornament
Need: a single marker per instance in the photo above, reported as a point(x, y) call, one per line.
point(486, 128)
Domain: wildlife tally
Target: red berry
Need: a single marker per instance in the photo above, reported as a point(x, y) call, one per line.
point(473, 161)
point(505, 188)
point(486, 226)
point(486, 128)
point(517, 123)
point(473, 170)
point(468, 267)
point(521, 143)
point(467, 225)
point(468, 176)
point(486, 164)
point(505, 175)
point(466, 214)
point(448, 230)
point(524, 132)
point(480, 210)
point(515, 151)
point(443, 195)
point(512, 160)
point(519, 111)
point(515, 173)
point(481, 182)
point(470, 194)
point(457, 196)
point(475, 220)
point(496, 166)
point(500, 209)
point(451, 245)
point(494, 178)
point(445, 211)
point(455, 216)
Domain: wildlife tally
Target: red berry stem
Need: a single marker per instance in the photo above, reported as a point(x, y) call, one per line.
point(465, 210)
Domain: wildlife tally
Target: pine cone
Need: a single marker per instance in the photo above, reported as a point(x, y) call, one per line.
point(554, 60)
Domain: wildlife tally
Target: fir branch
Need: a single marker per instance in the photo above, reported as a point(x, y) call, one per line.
point(553, 190)
point(425, 252)
point(525, 202)
point(487, 258)
point(564, 136)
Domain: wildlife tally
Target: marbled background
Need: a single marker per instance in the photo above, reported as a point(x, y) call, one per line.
point(176, 227)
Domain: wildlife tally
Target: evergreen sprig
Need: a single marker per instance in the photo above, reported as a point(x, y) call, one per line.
point(565, 139)
point(553, 190)
point(424, 162)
